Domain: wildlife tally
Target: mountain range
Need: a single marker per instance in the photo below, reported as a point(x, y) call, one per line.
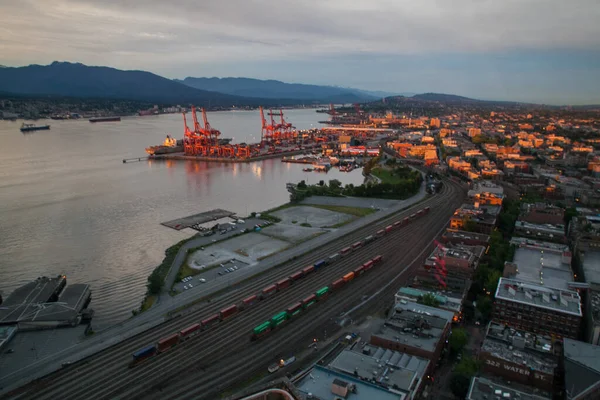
point(78, 80)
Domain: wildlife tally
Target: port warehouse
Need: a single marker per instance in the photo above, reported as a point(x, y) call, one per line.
point(168, 342)
point(45, 303)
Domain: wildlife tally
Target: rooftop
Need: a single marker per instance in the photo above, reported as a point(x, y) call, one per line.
point(319, 384)
point(556, 230)
point(565, 301)
point(529, 359)
point(486, 186)
point(456, 236)
point(532, 341)
point(485, 389)
point(382, 366)
point(542, 263)
point(417, 325)
point(591, 267)
point(39, 301)
point(447, 299)
point(582, 366)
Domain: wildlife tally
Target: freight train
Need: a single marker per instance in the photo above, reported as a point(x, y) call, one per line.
point(320, 295)
point(168, 342)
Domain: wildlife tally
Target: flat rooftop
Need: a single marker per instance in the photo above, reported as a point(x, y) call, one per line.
point(446, 299)
point(582, 366)
point(384, 366)
point(555, 299)
point(542, 263)
point(486, 389)
point(187, 222)
point(556, 230)
point(319, 383)
point(527, 358)
point(507, 334)
point(457, 236)
point(591, 267)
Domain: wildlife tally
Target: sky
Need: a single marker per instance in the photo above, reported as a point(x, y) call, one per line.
point(544, 51)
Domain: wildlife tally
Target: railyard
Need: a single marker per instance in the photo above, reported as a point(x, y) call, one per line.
point(218, 357)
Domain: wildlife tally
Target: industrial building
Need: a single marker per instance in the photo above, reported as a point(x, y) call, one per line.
point(519, 356)
point(446, 300)
point(452, 236)
point(481, 218)
point(538, 309)
point(485, 389)
point(415, 329)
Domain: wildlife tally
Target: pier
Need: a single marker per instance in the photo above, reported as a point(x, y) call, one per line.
point(186, 222)
point(135, 159)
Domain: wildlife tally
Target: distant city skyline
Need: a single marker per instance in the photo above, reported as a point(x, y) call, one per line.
point(528, 50)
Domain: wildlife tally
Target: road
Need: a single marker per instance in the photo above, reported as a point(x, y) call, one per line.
point(183, 372)
point(158, 314)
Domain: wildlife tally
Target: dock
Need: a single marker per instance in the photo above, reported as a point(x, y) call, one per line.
point(135, 159)
point(187, 222)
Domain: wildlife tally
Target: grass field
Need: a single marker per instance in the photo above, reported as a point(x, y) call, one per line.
point(356, 211)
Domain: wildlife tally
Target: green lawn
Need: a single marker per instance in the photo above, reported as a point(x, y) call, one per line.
point(356, 211)
point(385, 175)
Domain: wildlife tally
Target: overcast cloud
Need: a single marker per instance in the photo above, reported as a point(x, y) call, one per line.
point(480, 48)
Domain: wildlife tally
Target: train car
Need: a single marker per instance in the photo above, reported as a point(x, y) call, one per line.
point(210, 321)
point(250, 301)
point(261, 330)
point(322, 293)
point(143, 354)
point(269, 291)
point(284, 284)
point(398, 224)
point(335, 285)
point(357, 245)
point(348, 277)
point(377, 259)
point(279, 319)
point(297, 275)
point(380, 233)
point(368, 265)
point(405, 220)
point(308, 270)
point(369, 239)
point(320, 264)
point(228, 312)
point(333, 258)
point(294, 309)
point(167, 343)
point(413, 216)
point(345, 251)
point(309, 301)
point(190, 331)
point(426, 210)
point(359, 271)
point(420, 212)
point(389, 228)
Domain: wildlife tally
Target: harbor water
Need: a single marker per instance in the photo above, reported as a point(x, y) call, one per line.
point(68, 205)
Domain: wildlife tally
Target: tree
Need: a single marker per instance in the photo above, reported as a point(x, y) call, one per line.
point(491, 281)
point(459, 385)
point(321, 182)
point(302, 185)
point(155, 283)
point(334, 184)
point(429, 299)
point(484, 306)
point(458, 340)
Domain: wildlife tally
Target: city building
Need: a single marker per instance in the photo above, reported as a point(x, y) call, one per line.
point(476, 217)
point(456, 237)
point(540, 263)
point(450, 267)
point(280, 389)
point(581, 370)
point(518, 356)
point(538, 309)
point(446, 300)
point(542, 213)
point(484, 187)
point(588, 248)
point(415, 329)
point(486, 389)
point(365, 374)
point(548, 232)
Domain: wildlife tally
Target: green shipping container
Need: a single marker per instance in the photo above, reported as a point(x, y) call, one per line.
point(279, 318)
point(262, 327)
point(322, 291)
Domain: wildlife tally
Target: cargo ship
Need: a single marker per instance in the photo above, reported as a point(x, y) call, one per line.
point(105, 119)
point(170, 145)
point(32, 127)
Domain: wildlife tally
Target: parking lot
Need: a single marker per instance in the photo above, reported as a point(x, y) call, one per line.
point(226, 270)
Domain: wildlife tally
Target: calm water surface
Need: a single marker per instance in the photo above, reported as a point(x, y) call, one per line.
point(69, 205)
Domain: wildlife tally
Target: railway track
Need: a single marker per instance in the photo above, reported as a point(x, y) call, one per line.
point(107, 373)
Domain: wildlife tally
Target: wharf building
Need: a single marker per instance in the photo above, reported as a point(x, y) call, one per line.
point(46, 303)
point(415, 329)
point(519, 356)
point(370, 373)
point(451, 268)
point(486, 389)
point(538, 309)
